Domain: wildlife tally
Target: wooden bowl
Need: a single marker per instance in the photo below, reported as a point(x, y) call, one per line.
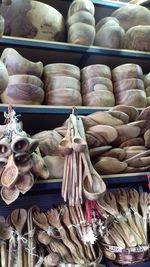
point(101, 98)
point(110, 36)
point(148, 101)
point(37, 21)
point(147, 91)
point(81, 33)
point(96, 83)
point(57, 82)
point(2, 23)
point(97, 70)
point(78, 5)
point(105, 20)
point(81, 16)
point(147, 80)
point(63, 97)
point(137, 38)
point(127, 71)
point(127, 84)
point(61, 69)
point(132, 97)
point(23, 93)
point(17, 64)
point(3, 77)
point(110, 165)
point(25, 78)
point(132, 15)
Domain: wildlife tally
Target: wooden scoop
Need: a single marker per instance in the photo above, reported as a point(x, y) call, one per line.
point(9, 195)
point(78, 143)
point(10, 173)
point(65, 145)
point(25, 182)
point(19, 143)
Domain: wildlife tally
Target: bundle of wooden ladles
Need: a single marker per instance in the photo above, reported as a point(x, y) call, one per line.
point(20, 160)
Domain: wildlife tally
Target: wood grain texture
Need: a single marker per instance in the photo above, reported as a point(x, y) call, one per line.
point(105, 20)
point(33, 20)
point(132, 15)
point(127, 71)
point(78, 5)
point(61, 69)
point(132, 97)
point(81, 16)
point(81, 33)
point(101, 98)
point(126, 84)
point(96, 70)
point(96, 83)
point(137, 38)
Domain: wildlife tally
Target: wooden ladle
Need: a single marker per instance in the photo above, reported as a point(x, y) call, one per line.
point(19, 143)
point(25, 182)
point(19, 218)
point(10, 173)
point(78, 142)
point(93, 185)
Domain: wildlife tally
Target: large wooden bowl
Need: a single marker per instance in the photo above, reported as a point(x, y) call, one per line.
point(105, 20)
point(61, 69)
point(25, 78)
point(33, 19)
point(127, 84)
point(96, 70)
point(137, 38)
point(127, 71)
point(25, 94)
point(110, 36)
point(132, 97)
point(57, 82)
point(101, 98)
point(132, 15)
point(63, 97)
point(81, 33)
point(3, 77)
point(81, 16)
point(93, 84)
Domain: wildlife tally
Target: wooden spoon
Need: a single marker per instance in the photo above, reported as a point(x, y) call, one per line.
point(143, 201)
point(19, 143)
point(19, 218)
point(25, 182)
point(78, 142)
point(10, 173)
point(65, 145)
point(93, 185)
point(9, 195)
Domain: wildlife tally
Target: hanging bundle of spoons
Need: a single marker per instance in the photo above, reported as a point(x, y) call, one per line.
point(20, 160)
point(79, 174)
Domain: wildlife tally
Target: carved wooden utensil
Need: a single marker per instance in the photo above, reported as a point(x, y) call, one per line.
point(19, 218)
point(10, 173)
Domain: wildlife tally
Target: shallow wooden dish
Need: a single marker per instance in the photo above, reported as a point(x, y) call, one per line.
point(33, 20)
point(96, 70)
point(62, 69)
point(25, 94)
point(127, 71)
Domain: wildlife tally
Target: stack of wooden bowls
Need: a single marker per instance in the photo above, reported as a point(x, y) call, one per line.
point(62, 84)
point(147, 87)
point(109, 33)
point(129, 86)
point(97, 88)
point(81, 22)
point(24, 84)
